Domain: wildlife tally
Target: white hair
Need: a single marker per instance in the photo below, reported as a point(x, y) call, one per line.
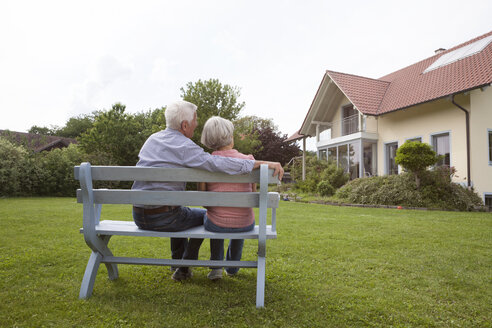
point(217, 132)
point(179, 111)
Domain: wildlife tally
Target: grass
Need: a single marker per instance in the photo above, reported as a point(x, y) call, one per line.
point(330, 267)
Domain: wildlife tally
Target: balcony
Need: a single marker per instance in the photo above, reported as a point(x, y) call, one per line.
point(352, 127)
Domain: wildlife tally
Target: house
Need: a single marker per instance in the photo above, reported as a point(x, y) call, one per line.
point(36, 142)
point(444, 100)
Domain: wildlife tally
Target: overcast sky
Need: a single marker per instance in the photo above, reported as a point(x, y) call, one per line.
point(59, 59)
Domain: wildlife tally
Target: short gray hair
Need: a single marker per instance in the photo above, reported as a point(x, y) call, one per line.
point(179, 111)
point(217, 132)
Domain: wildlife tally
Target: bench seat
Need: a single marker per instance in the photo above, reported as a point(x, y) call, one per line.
point(128, 228)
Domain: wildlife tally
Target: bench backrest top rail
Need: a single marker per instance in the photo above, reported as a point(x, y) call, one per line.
point(183, 198)
point(134, 173)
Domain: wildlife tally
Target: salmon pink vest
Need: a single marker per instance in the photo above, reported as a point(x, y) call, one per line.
point(231, 217)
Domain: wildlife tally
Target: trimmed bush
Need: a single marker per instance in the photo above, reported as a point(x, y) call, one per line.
point(415, 157)
point(436, 191)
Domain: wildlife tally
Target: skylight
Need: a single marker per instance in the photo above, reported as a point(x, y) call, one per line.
point(460, 53)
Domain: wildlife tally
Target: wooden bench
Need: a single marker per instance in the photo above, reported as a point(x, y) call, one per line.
point(97, 233)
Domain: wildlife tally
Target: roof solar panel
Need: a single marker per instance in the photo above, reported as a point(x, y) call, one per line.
point(460, 53)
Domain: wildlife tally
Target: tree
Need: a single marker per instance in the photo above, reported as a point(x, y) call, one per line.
point(416, 157)
point(152, 120)
point(273, 145)
point(115, 138)
point(76, 126)
point(245, 136)
point(266, 142)
point(213, 99)
point(42, 130)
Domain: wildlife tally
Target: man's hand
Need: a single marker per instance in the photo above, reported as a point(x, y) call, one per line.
point(277, 168)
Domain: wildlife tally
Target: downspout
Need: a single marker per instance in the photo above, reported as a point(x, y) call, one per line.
point(303, 158)
point(467, 116)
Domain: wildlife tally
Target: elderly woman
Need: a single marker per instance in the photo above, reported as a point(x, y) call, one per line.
point(217, 134)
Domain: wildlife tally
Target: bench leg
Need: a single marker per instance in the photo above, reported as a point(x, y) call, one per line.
point(260, 283)
point(92, 268)
point(90, 275)
point(112, 267)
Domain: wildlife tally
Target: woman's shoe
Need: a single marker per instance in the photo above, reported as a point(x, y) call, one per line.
point(215, 274)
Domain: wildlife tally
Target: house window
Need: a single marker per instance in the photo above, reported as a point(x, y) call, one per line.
point(350, 120)
point(332, 154)
point(343, 157)
point(391, 167)
point(369, 159)
point(348, 157)
point(418, 139)
point(490, 147)
point(354, 160)
point(441, 146)
point(488, 202)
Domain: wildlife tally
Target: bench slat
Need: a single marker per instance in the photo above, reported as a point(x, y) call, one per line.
point(128, 228)
point(177, 263)
point(184, 198)
point(133, 173)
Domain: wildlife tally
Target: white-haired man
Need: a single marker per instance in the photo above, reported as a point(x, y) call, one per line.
point(173, 147)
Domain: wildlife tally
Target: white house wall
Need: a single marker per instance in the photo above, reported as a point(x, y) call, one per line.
point(425, 120)
point(481, 123)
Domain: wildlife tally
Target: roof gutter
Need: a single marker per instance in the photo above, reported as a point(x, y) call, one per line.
point(467, 117)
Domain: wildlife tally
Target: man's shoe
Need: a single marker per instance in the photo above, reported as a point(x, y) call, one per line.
point(231, 274)
point(182, 274)
point(215, 274)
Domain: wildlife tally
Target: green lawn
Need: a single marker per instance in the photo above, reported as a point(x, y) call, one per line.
point(330, 267)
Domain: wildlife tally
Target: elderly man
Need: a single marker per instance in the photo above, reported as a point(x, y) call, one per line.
point(173, 147)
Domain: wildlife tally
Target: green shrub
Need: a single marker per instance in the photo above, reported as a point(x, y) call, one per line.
point(335, 175)
point(324, 188)
point(313, 166)
point(49, 173)
point(316, 172)
point(14, 169)
point(436, 191)
point(55, 171)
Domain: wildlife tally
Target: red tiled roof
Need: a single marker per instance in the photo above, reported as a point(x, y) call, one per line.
point(365, 94)
point(410, 86)
point(295, 136)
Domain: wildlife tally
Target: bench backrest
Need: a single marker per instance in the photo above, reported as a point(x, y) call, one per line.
point(87, 173)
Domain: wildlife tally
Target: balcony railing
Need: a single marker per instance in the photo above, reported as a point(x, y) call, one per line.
point(343, 127)
point(350, 125)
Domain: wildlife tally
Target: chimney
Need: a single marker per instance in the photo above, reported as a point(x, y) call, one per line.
point(438, 51)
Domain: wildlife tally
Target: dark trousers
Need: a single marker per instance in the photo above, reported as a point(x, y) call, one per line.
point(179, 219)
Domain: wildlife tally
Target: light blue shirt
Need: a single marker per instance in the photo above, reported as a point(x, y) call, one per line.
point(170, 148)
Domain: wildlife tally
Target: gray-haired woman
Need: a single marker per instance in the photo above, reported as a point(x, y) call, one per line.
point(218, 134)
